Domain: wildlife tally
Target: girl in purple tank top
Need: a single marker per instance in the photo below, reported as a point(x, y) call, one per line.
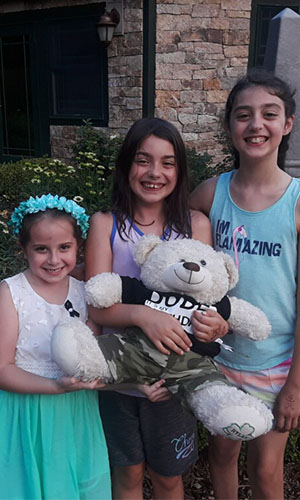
point(150, 195)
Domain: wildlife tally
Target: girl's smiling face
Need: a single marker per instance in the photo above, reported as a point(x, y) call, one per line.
point(51, 250)
point(258, 123)
point(153, 173)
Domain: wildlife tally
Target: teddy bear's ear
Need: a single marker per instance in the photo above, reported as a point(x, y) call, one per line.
point(144, 246)
point(231, 269)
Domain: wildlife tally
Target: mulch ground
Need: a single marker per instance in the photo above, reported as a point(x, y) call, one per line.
point(197, 483)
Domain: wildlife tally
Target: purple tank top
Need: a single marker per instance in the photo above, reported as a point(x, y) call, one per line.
point(122, 250)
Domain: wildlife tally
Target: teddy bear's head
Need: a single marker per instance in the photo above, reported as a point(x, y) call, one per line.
point(185, 266)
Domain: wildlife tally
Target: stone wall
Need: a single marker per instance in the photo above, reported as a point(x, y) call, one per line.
point(125, 69)
point(202, 47)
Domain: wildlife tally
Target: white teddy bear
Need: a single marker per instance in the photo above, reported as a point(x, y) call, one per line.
point(178, 277)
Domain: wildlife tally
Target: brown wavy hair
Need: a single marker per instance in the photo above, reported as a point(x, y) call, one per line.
point(274, 85)
point(176, 211)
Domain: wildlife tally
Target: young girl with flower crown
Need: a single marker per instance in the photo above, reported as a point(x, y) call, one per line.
point(51, 440)
point(255, 216)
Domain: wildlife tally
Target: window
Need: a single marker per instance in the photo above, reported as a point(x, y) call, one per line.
point(53, 71)
point(261, 15)
point(76, 71)
point(17, 117)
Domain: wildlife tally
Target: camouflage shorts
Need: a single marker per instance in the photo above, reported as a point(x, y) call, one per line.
point(133, 358)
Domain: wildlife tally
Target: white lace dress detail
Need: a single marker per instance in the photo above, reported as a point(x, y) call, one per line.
point(37, 319)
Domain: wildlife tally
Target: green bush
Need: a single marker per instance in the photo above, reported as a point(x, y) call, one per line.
point(84, 182)
point(11, 259)
point(103, 146)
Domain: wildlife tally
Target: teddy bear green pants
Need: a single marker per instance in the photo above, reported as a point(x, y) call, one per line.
point(133, 358)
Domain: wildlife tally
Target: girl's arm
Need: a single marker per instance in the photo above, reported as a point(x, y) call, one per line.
point(154, 392)
point(201, 228)
point(162, 329)
point(287, 408)
point(209, 326)
point(202, 197)
point(15, 379)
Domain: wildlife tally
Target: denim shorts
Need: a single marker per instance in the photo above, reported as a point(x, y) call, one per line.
point(164, 435)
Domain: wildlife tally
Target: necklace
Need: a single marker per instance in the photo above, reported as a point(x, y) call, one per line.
point(144, 225)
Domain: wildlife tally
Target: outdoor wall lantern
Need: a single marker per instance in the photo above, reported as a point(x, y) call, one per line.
point(106, 26)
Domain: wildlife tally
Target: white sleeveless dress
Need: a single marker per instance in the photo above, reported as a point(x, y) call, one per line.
point(52, 446)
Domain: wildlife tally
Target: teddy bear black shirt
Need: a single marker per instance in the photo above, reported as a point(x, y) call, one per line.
point(180, 306)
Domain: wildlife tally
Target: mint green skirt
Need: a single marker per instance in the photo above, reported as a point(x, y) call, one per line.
point(52, 447)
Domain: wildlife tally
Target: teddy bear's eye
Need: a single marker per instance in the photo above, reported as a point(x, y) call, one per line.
point(203, 262)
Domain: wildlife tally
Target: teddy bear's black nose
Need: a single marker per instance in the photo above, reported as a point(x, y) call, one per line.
point(191, 266)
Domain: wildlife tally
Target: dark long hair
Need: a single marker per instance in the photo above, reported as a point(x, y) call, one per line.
point(274, 85)
point(176, 213)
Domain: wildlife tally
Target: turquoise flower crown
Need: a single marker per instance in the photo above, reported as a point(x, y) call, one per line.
point(48, 201)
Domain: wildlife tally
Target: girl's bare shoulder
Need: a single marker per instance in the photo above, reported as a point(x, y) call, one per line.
point(198, 217)
point(98, 252)
point(101, 221)
point(202, 196)
point(201, 228)
point(4, 290)
point(6, 301)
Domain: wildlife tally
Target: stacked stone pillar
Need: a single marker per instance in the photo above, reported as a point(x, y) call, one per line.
point(283, 58)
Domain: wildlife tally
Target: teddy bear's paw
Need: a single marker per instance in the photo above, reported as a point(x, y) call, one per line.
point(104, 290)
point(225, 410)
point(76, 352)
point(248, 320)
